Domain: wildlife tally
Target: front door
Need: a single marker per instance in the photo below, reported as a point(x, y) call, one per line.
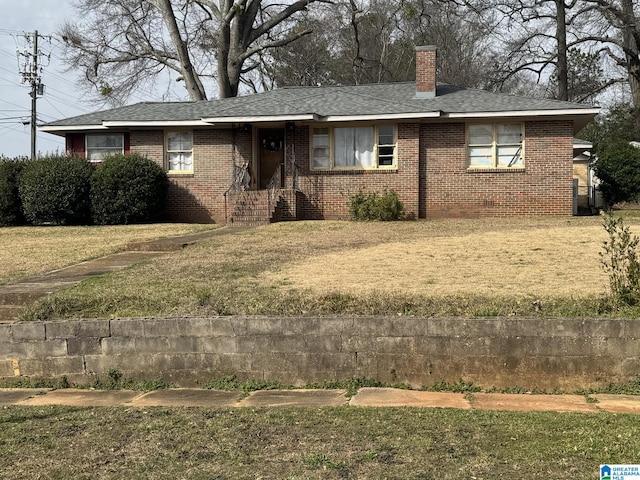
point(271, 150)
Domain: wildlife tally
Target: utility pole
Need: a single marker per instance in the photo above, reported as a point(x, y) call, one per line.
point(34, 95)
point(30, 70)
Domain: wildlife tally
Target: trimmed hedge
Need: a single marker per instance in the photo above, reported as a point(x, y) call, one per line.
point(128, 189)
point(10, 204)
point(55, 189)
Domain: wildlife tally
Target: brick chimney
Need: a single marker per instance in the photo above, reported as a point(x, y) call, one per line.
point(426, 71)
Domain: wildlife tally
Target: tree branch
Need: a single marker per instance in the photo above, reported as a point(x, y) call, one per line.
point(274, 44)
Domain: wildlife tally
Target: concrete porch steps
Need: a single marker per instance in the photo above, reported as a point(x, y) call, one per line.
point(253, 208)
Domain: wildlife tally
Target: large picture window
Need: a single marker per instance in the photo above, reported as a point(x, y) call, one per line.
point(100, 145)
point(344, 148)
point(180, 151)
point(496, 145)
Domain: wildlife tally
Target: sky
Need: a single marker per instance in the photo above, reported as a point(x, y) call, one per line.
point(62, 97)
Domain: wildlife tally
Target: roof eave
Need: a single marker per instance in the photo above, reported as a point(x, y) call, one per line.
point(156, 123)
point(61, 130)
point(579, 116)
point(260, 118)
point(390, 116)
point(526, 113)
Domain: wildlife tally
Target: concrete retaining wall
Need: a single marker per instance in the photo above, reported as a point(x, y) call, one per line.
point(542, 353)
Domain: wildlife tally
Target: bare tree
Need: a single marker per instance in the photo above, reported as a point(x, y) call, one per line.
point(372, 41)
point(585, 77)
point(122, 45)
point(615, 27)
point(531, 37)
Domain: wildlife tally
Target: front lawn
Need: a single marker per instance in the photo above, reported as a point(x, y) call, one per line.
point(310, 443)
point(520, 266)
point(27, 251)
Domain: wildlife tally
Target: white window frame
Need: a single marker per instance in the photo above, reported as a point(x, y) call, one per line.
point(516, 163)
point(97, 154)
point(182, 151)
point(376, 147)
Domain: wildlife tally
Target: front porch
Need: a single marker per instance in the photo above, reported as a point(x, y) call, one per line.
point(261, 207)
point(265, 190)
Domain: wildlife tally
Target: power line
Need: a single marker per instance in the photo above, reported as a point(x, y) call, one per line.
point(31, 70)
point(12, 129)
point(54, 107)
point(51, 74)
point(10, 103)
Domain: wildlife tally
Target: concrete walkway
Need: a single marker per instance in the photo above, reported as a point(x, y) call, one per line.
point(366, 397)
point(15, 296)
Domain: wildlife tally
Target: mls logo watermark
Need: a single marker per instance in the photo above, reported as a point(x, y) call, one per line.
point(619, 472)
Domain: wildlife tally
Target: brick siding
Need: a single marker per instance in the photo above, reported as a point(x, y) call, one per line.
point(328, 192)
point(544, 187)
point(199, 197)
point(432, 178)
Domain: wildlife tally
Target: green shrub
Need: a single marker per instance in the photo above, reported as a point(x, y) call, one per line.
point(618, 168)
point(619, 260)
point(10, 204)
point(373, 206)
point(55, 189)
point(128, 189)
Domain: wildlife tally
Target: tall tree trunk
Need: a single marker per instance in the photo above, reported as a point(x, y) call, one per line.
point(630, 35)
point(561, 38)
point(191, 78)
point(224, 46)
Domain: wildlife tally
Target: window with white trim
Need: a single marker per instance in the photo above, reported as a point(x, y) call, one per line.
point(180, 151)
point(100, 145)
point(495, 145)
point(350, 147)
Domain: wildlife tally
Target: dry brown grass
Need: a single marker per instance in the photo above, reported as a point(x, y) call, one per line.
point(549, 258)
point(26, 251)
point(533, 266)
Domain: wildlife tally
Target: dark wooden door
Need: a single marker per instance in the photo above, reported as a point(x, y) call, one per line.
point(271, 150)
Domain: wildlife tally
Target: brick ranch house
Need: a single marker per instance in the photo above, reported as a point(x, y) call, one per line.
point(301, 152)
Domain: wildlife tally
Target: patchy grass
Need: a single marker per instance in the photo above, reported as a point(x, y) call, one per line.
point(545, 266)
point(313, 443)
point(27, 251)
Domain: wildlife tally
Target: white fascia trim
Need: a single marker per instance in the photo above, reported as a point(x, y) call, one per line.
point(258, 119)
point(382, 117)
point(165, 123)
point(65, 128)
point(526, 113)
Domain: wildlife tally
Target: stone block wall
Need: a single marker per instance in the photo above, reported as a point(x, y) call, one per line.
point(501, 352)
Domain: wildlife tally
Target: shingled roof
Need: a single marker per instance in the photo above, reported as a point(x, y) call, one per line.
point(326, 104)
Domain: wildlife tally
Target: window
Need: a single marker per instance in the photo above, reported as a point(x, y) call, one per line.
point(495, 146)
point(180, 151)
point(343, 148)
point(99, 146)
point(321, 155)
